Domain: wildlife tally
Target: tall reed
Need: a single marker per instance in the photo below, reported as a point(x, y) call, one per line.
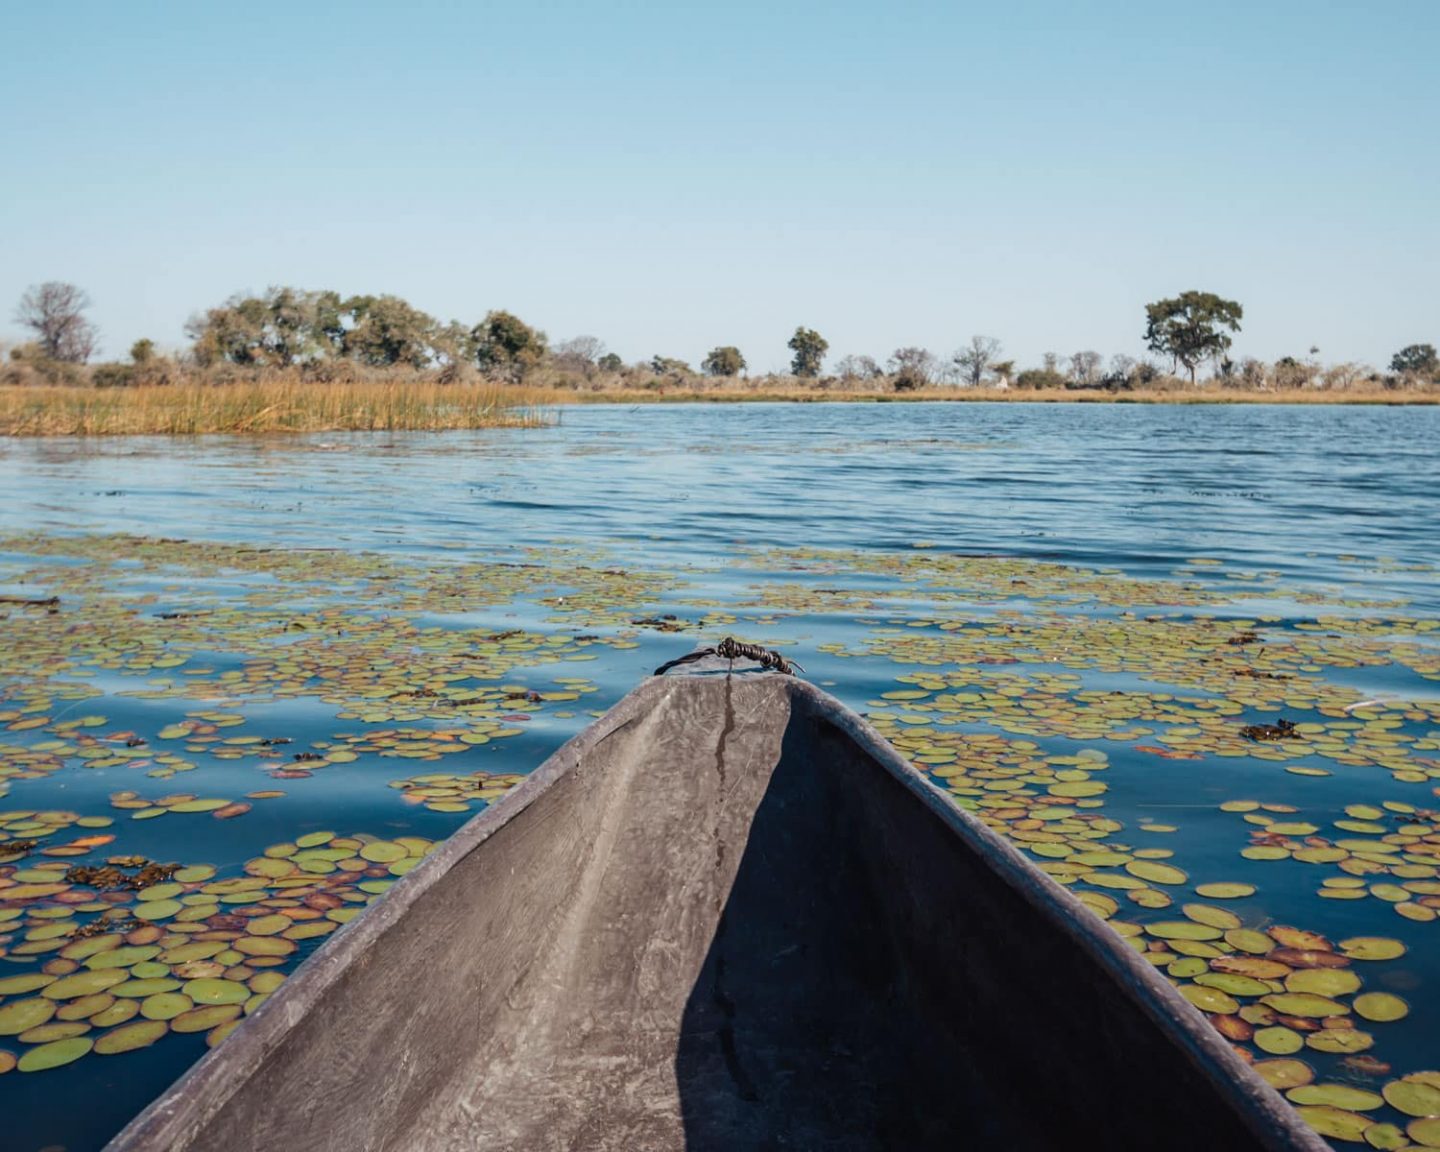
point(266, 405)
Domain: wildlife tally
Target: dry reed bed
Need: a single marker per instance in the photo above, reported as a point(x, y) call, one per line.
point(260, 406)
point(288, 404)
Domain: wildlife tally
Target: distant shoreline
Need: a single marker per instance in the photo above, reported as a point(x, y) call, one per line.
point(987, 395)
point(419, 404)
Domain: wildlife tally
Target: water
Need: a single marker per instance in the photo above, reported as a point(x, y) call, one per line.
point(862, 537)
point(1133, 486)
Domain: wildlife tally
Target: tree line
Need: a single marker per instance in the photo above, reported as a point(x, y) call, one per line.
point(288, 328)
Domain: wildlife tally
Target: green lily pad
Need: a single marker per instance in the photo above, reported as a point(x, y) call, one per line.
point(1156, 873)
point(1336, 1123)
point(1372, 948)
point(84, 983)
point(1381, 1007)
point(216, 992)
point(1225, 891)
point(129, 1037)
point(204, 1018)
point(22, 1015)
point(55, 1055)
point(1303, 1004)
point(1282, 1074)
point(1416, 1095)
point(1335, 1095)
point(1328, 982)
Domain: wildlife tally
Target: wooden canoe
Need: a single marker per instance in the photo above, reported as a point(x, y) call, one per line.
point(726, 916)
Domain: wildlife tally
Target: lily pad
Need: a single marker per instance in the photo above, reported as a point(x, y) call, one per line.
point(1335, 1095)
point(1329, 982)
point(55, 1055)
point(1156, 873)
point(1282, 1074)
point(1226, 891)
point(1302, 1004)
point(216, 992)
point(1336, 1123)
point(22, 1015)
point(129, 1037)
point(1372, 948)
point(1278, 1041)
point(204, 1018)
point(1416, 1095)
point(1381, 1007)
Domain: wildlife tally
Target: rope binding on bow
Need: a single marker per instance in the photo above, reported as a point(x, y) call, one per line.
point(732, 650)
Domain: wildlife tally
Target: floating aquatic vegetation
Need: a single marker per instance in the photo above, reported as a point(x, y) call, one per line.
point(120, 873)
point(114, 956)
point(1282, 729)
point(445, 792)
point(1043, 697)
point(1368, 844)
point(1273, 991)
point(180, 802)
point(994, 579)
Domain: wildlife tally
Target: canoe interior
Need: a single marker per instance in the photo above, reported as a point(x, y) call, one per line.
point(724, 927)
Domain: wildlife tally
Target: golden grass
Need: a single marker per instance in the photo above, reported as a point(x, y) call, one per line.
point(289, 403)
point(266, 405)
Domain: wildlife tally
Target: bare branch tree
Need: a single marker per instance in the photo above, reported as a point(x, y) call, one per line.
point(858, 368)
point(974, 358)
point(55, 312)
point(580, 355)
point(1343, 376)
point(1122, 369)
point(913, 368)
point(1085, 367)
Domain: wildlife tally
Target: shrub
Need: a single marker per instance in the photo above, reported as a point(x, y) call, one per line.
point(112, 375)
point(1040, 378)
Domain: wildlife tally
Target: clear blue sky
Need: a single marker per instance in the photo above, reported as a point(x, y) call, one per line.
point(672, 176)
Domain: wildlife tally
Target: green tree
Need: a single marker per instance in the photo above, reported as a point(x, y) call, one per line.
point(289, 331)
point(452, 344)
point(1044, 379)
point(330, 316)
point(385, 331)
point(142, 352)
point(274, 329)
point(610, 363)
point(234, 331)
point(1190, 327)
point(505, 346)
point(724, 361)
point(1416, 360)
point(809, 348)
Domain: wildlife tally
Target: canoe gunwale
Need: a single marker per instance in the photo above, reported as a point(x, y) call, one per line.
point(215, 1077)
point(1272, 1119)
point(188, 1104)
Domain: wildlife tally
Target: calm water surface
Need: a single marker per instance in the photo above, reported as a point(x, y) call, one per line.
point(795, 524)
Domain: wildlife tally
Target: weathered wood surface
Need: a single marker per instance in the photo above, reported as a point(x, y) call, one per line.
point(727, 916)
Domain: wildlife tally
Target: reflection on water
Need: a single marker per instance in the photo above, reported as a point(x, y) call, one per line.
point(1124, 485)
point(326, 653)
